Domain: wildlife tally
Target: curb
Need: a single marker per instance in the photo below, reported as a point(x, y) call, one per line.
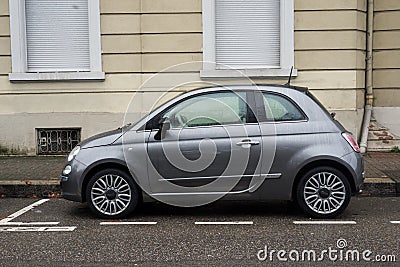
point(397, 180)
point(381, 187)
point(375, 187)
point(30, 188)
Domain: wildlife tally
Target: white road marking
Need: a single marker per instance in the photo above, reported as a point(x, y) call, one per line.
point(223, 223)
point(38, 229)
point(324, 222)
point(23, 210)
point(27, 223)
point(395, 222)
point(127, 223)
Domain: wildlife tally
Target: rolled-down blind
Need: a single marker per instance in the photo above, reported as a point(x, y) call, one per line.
point(57, 35)
point(247, 33)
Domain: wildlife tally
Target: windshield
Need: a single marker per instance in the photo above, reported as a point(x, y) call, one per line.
point(145, 114)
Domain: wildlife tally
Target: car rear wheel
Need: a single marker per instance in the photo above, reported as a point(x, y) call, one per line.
point(323, 192)
point(112, 194)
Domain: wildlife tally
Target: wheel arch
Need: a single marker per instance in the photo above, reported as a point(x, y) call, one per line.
point(327, 163)
point(102, 165)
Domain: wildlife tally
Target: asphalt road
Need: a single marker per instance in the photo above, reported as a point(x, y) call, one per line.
point(177, 237)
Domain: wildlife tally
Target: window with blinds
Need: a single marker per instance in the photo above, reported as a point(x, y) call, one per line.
point(254, 38)
point(247, 34)
point(57, 35)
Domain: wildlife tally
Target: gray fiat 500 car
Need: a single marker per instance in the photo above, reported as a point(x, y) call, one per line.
point(251, 142)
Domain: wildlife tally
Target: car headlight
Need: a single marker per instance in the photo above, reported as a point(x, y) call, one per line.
point(73, 153)
point(67, 170)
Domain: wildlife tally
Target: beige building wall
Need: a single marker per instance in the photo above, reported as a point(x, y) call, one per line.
point(141, 38)
point(330, 55)
point(386, 74)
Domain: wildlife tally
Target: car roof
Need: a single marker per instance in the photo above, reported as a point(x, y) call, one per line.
point(251, 87)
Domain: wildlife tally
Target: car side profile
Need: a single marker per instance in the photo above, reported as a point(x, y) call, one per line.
point(242, 142)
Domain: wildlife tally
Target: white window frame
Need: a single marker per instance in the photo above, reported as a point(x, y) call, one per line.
point(19, 55)
point(210, 69)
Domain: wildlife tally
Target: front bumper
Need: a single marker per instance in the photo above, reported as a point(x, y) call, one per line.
point(71, 184)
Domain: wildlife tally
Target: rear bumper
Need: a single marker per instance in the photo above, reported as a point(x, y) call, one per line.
point(360, 174)
point(356, 164)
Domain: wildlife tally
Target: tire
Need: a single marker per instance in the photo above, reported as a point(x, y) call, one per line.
point(112, 194)
point(323, 192)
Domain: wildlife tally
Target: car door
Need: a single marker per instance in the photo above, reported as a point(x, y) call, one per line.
point(283, 127)
point(213, 145)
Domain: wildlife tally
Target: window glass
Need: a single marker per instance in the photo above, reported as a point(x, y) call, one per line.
point(209, 109)
point(279, 108)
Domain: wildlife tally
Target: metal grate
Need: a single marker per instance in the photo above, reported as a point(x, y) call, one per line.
point(57, 141)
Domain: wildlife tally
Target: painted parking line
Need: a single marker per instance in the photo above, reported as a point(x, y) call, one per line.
point(395, 222)
point(324, 222)
point(38, 229)
point(23, 210)
point(6, 224)
point(27, 223)
point(224, 223)
point(128, 223)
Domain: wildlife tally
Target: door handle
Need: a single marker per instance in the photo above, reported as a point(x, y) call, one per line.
point(246, 143)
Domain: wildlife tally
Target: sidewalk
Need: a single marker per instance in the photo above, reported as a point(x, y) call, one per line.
point(30, 176)
point(39, 176)
point(382, 171)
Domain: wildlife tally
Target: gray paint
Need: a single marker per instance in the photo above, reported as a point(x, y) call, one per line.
point(299, 143)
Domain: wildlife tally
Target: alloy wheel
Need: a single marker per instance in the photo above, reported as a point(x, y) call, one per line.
point(111, 194)
point(324, 193)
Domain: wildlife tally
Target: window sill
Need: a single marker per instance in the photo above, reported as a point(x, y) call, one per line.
point(58, 76)
point(252, 73)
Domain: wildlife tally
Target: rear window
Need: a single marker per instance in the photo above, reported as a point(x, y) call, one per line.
point(279, 108)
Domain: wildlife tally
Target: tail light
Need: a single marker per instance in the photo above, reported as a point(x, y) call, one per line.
point(352, 142)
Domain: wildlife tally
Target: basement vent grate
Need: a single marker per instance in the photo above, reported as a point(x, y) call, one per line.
point(57, 141)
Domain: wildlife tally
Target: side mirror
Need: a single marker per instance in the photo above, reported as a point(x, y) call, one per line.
point(165, 125)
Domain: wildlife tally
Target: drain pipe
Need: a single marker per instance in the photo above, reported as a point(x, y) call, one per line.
point(369, 94)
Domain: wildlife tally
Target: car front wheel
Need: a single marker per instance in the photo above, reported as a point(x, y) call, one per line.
point(323, 192)
point(112, 194)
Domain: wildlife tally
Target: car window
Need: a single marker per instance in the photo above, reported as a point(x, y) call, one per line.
point(209, 109)
point(279, 108)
